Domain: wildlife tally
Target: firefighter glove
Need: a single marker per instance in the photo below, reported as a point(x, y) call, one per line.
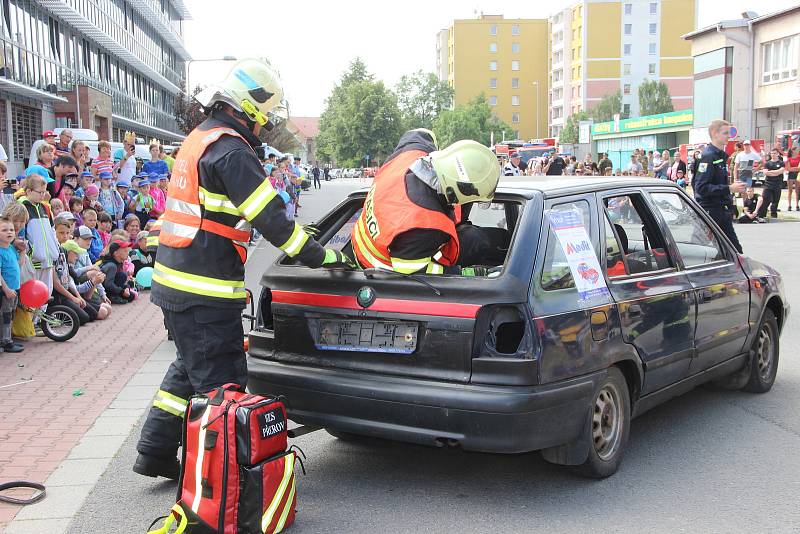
point(335, 259)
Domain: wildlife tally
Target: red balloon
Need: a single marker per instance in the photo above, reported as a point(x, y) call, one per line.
point(33, 293)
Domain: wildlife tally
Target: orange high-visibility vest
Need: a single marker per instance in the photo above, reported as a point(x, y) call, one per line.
point(183, 216)
point(388, 212)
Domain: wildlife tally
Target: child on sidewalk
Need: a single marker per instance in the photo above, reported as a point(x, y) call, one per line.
point(9, 278)
point(39, 232)
point(22, 324)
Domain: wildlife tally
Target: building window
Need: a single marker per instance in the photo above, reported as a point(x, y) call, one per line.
point(26, 128)
point(779, 60)
point(628, 28)
point(515, 100)
point(626, 109)
point(628, 9)
point(652, 49)
point(492, 100)
point(626, 89)
point(626, 49)
point(514, 83)
point(558, 112)
point(515, 48)
point(493, 47)
point(492, 83)
point(653, 8)
point(493, 29)
point(515, 118)
point(515, 65)
point(493, 65)
point(626, 69)
point(651, 69)
point(653, 28)
point(557, 93)
point(515, 29)
point(558, 56)
point(557, 74)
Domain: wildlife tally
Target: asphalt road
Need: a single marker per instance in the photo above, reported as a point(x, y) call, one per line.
point(709, 461)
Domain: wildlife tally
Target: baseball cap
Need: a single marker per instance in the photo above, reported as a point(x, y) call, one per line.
point(746, 142)
point(123, 183)
point(153, 177)
point(163, 177)
point(20, 177)
point(144, 181)
point(121, 244)
point(86, 174)
point(48, 133)
point(92, 189)
point(85, 231)
point(71, 246)
point(297, 158)
point(64, 216)
point(105, 175)
point(513, 154)
point(40, 170)
point(142, 235)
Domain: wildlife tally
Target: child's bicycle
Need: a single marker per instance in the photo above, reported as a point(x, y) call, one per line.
point(59, 322)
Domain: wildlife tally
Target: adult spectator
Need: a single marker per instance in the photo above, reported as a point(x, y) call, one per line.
point(792, 166)
point(677, 165)
point(327, 173)
point(156, 164)
point(649, 162)
point(45, 155)
point(48, 137)
point(604, 164)
point(315, 174)
point(555, 166)
point(737, 147)
point(634, 167)
point(589, 166)
point(103, 162)
point(661, 169)
point(169, 160)
point(773, 171)
point(125, 157)
point(752, 204)
point(62, 145)
point(644, 160)
point(747, 161)
point(511, 168)
point(694, 164)
point(711, 188)
point(64, 167)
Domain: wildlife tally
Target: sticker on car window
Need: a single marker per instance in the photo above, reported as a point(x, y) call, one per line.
point(581, 258)
point(342, 237)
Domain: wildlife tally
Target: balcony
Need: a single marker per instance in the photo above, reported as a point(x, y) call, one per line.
point(150, 10)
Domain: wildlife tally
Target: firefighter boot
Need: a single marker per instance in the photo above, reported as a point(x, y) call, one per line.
point(157, 466)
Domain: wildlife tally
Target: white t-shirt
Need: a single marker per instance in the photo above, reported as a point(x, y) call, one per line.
point(128, 169)
point(746, 161)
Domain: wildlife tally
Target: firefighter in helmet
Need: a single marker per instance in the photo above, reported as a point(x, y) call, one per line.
point(218, 189)
point(411, 217)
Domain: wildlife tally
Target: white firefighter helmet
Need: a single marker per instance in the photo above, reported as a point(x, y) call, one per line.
point(253, 87)
point(468, 172)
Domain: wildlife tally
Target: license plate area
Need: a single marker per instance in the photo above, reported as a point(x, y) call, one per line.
point(364, 335)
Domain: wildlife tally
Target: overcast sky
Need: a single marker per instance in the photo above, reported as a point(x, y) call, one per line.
point(312, 42)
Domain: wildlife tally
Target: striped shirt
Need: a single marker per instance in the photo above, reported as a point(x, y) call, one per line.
point(102, 165)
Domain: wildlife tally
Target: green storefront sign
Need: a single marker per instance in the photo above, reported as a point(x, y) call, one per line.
point(649, 122)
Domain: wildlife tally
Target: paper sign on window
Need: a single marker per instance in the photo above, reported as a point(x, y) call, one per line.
point(581, 258)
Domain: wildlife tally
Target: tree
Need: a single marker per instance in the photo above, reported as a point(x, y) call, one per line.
point(421, 97)
point(282, 139)
point(654, 98)
point(569, 135)
point(473, 120)
point(188, 112)
point(361, 118)
point(609, 106)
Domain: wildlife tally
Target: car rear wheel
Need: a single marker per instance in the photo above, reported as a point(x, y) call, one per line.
point(764, 366)
point(608, 423)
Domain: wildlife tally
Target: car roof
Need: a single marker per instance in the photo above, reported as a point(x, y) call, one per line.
point(551, 186)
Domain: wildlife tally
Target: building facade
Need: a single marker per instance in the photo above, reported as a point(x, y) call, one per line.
point(746, 72)
point(107, 65)
point(506, 60)
point(601, 46)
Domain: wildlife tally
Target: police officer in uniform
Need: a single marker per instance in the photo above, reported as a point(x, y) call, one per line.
point(218, 189)
point(711, 188)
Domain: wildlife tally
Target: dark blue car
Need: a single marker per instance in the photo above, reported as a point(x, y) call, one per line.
point(604, 298)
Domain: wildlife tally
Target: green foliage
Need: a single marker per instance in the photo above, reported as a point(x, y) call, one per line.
point(570, 133)
point(609, 106)
point(421, 97)
point(361, 117)
point(654, 98)
point(473, 120)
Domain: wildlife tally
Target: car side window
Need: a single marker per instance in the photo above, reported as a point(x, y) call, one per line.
point(640, 240)
point(696, 241)
point(556, 273)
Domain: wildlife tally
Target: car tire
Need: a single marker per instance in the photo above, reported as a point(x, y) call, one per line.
point(609, 423)
point(766, 348)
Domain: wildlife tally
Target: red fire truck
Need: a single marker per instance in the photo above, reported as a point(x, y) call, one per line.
point(786, 140)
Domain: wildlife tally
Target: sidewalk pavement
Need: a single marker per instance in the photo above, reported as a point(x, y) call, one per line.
point(54, 399)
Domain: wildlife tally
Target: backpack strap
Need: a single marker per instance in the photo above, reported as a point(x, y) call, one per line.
point(176, 513)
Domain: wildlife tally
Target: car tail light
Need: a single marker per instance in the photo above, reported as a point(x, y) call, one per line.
point(503, 331)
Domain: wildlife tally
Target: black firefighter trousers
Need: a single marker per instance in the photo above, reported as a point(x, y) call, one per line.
point(210, 343)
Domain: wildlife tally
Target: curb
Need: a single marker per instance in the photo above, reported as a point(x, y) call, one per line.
point(74, 479)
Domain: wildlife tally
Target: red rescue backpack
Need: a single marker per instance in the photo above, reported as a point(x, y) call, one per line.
point(237, 476)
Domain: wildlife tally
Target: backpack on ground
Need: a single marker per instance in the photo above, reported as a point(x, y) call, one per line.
point(237, 476)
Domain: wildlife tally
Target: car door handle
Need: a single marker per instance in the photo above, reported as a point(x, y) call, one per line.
point(634, 310)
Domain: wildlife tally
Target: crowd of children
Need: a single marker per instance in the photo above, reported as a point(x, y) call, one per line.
point(83, 233)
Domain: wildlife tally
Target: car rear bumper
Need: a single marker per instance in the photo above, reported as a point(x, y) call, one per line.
point(504, 419)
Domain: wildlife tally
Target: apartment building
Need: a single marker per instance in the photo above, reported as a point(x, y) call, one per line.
point(601, 46)
point(107, 65)
point(506, 60)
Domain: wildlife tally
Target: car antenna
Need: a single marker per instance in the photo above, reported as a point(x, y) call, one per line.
point(370, 274)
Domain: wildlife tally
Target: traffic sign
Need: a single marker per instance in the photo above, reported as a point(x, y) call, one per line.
point(734, 131)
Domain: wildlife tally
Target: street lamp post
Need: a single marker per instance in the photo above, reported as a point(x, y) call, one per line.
point(189, 64)
point(536, 84)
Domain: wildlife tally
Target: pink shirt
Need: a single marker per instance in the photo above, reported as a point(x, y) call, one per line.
point(159, 199)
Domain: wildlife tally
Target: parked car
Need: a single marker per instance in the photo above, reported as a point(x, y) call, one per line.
point(519, 360)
